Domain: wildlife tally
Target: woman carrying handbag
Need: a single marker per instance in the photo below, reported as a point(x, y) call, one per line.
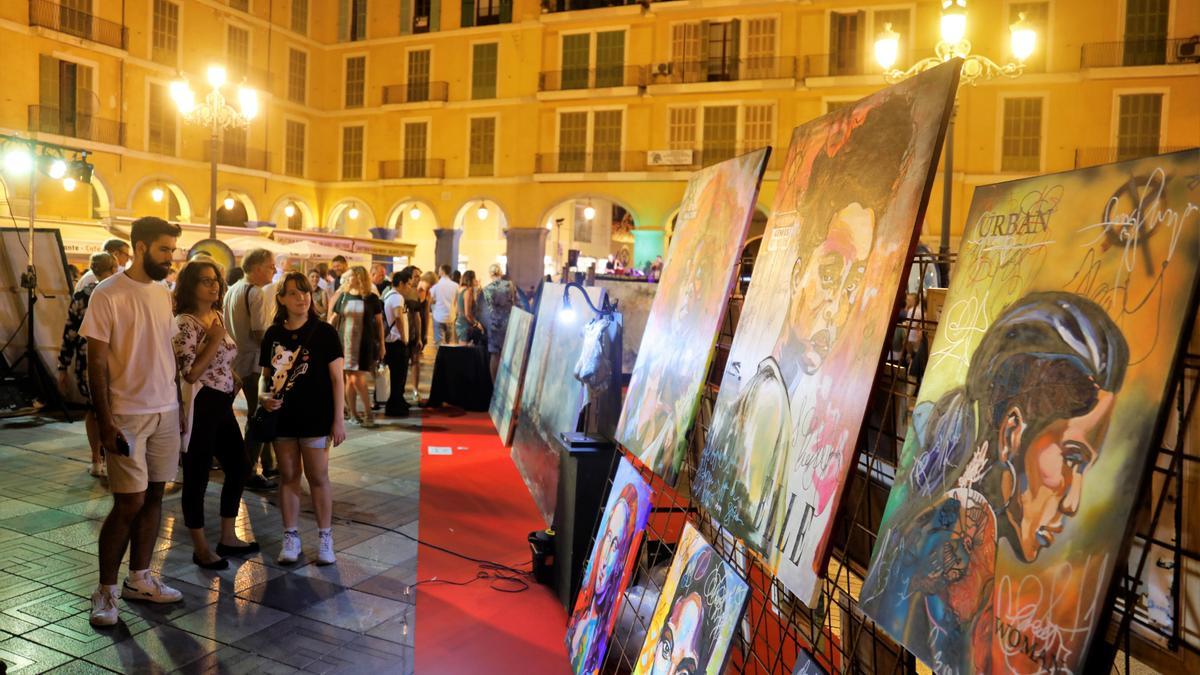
point(302, 387)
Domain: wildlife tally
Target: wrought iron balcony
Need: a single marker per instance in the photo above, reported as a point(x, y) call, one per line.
point(239, 155)
point(76, 124)
point(1162, 52)
point(552, 6)
point(845, 63)
point(724, 70)
point(592, 78)
point(702, 157)
point(415, 92)
point(1085, 157)
point(412, 168)
point(55, 16)
point(590, 162)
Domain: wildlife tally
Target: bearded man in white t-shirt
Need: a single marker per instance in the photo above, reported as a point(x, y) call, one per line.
point(132, 374)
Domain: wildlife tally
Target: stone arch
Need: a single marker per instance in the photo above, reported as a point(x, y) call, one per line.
point(169, 184)
point(481, 243)
point(244, 206)
point(618, 244)
point(398, 214)
point(338, 215)
point(307, 217)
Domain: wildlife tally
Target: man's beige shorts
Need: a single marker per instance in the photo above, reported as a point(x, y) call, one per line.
point(154, 443)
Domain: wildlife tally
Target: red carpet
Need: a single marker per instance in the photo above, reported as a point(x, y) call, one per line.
point(474, 502)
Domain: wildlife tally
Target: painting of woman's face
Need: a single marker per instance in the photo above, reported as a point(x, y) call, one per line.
point(678, 645)
point(609, 558)
point(1054, 464)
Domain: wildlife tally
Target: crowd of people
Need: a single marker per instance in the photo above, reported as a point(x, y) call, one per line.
point(160, 365)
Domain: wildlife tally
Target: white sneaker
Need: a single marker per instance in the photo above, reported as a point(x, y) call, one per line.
point(290, 552)
point(149, 588)
point(99, 470)
point(104, 608)
point(325, 555)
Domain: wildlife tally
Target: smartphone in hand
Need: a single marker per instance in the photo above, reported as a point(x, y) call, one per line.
point(122, 445)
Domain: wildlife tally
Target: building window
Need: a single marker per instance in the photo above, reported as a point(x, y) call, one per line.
point(74, 17)
point(1146, 32)
point(681, 129)
point(418, 75)
point(845, 39)
point(610, 58)
point(483, 147)
point(356, 81)
point(422, 9)
point(685, 46)
point(758, 127)
point(1139, 123)
point(606, 140)
point(237, 56)
point(720, 133)
point(233, 146)
point(160, 122)
point(760, 48)
point(352, 153)
point(572, 141)
point(66, 100)
point(293, 149)
point(484, 69)
point(581, 227)
point(721, 55)
point(164, 47)
point(352, 20)
point(487, 12)
point(300, 16)
point(576, 55)
point(416, 140)
point(297, 76)
point(1021, 140)
point(1037, 15)
point(240, 5)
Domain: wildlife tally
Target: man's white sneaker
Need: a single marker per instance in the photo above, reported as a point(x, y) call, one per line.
point(149, 588)
point(290, 552)
point(325, 555)
point(104, 608)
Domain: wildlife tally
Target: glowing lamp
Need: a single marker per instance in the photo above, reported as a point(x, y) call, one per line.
point(1024, 38)
point(414, 213)
point(69, 184)
point(887, 47)
point(954, 24)
point(229, 203)
point(589, 212)
point(289, 210)
point(248, 101)
point(18, 162)
point(482, 211)
point(353, 213)
point(58, 169)
point(157, 195)
point(216, 76)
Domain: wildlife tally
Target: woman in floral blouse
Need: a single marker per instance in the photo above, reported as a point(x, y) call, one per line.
point(74, 347)
point(204, 352)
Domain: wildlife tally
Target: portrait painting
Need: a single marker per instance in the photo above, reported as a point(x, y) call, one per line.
point(609, 567)
point(1038, 417)
point(507, 387)
point(697, 613)
point(677, 345)
point(551, 397)
point(634, 301)
point(816, 320)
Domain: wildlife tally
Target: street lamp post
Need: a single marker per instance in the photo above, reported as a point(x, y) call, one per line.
point(216, 114)
point(975, 68)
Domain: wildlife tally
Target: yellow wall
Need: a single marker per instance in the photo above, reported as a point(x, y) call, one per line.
point(1079, 106)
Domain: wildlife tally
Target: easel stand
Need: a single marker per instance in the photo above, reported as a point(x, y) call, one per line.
point(777, 627)
point(39, 377)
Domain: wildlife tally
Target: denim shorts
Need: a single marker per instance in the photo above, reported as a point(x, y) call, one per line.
point(312, 443)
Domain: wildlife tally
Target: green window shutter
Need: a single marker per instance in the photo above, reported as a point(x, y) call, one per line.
point(435, 15)
point(48, 81)
point(505, 11)
point(468, 14)
point(406, 17)
point(344, 20)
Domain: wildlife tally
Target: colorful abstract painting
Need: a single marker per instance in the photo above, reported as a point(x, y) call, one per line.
point(634, 301)
point(508, 375)
point(815, 322)
point(663, 393)
point(608, 569)
point(697, 614)
point(1034, 424)
point(551, 397)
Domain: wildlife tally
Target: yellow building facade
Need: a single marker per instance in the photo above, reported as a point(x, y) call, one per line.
point(415, 113)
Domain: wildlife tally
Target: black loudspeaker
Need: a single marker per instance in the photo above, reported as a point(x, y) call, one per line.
point(585, 466)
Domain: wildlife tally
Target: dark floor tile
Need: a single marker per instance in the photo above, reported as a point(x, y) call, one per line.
point(291, 593)
point(40, 521)
point(161, 649)
point(367, 655)
point(229, 619)
point(395, 583)
point(354, 610)
point(398, 629)
point(297, 641)
point(22, 656)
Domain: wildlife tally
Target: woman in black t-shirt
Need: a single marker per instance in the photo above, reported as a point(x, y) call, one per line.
point(301, 360)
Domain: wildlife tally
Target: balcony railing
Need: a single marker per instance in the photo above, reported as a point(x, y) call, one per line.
point(590, 162)
point(239, 155)
point(412, 168)
point(76, 124)
point(1140, 53)
point(724, 70)
point(592, 78)
point(849, 63)
point(415, 92)
point(551, 6)
point(52, 15)
point(1085, 157)
point(702, 157)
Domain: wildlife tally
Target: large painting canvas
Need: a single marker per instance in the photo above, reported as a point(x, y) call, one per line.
point(508, 376)
point(672, 362)
point(634, 300)
point(697, 613)
point(608, 569)
point(816, 320)
point(551, 397)
point(1033, 427)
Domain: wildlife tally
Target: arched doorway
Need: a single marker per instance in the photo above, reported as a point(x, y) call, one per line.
point(291, 212)
point(351, 217)
point(414, 220)
point(235, 208)
point(590, 229)
point(484, 225)
point(160, 196)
